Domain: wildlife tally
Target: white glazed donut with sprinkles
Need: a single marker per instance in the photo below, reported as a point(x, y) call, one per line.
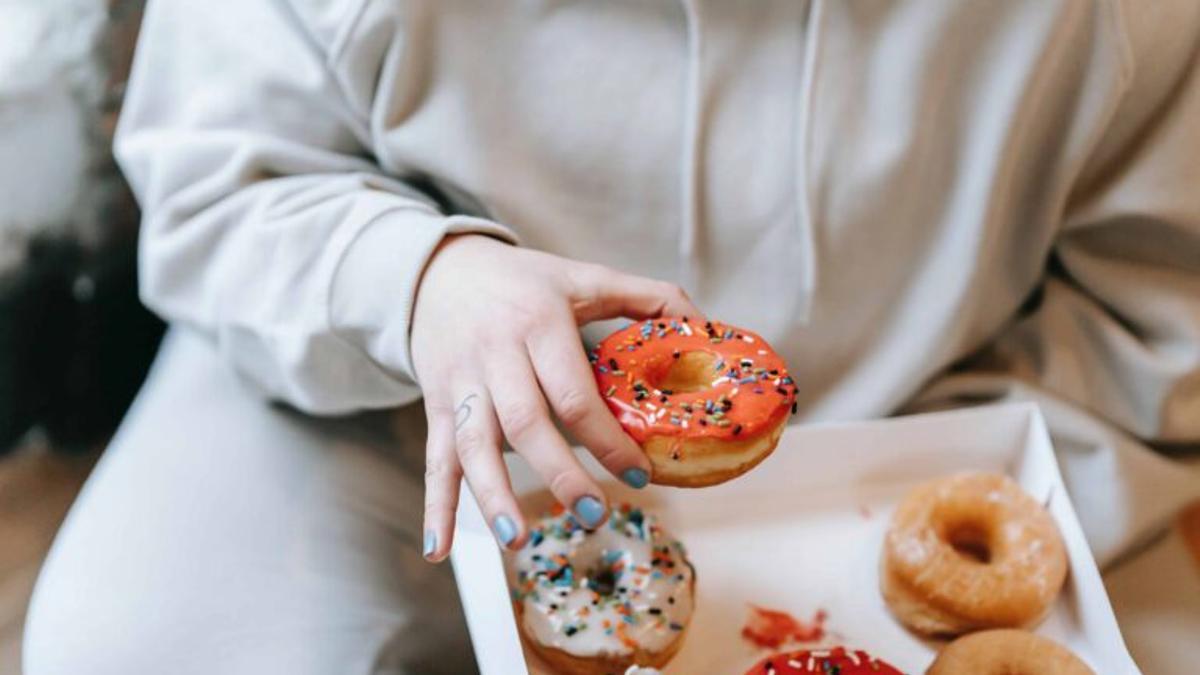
point(602, 601)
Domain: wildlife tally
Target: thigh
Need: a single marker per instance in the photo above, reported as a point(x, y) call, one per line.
point(220, 534)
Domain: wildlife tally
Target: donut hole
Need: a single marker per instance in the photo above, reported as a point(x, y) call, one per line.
point(603, 581)
point(691, 371)
point(604, 572)
point(970, 541)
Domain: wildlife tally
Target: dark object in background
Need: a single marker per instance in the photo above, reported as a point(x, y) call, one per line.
point(75, 342)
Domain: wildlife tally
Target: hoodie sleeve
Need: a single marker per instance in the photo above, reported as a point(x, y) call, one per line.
point(1110, 347)
point(267, 223)
point(1115, 329)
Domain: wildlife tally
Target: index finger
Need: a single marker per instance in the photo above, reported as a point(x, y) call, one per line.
point(598, 292)
point(562, 370)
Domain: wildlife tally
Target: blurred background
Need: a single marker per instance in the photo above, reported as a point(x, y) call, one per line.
point(75, 343)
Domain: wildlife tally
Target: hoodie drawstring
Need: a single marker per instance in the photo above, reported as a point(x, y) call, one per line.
point(692, 161)
point(805, 235)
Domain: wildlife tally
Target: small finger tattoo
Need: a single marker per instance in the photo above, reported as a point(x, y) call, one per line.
point(463, 412)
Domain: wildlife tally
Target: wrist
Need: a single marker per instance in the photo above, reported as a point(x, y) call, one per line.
point(375, 287)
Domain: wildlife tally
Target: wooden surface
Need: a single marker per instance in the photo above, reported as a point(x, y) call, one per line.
point(36, 489)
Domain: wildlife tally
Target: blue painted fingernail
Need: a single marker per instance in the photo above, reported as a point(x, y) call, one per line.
point(430, 543)
point(506, 529)
point(635, 478)
point(590, 511)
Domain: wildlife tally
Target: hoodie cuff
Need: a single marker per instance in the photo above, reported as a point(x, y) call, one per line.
point(374, 287)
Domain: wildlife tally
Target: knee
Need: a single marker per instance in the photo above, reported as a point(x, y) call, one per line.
point(58, 624)
point(82, 621)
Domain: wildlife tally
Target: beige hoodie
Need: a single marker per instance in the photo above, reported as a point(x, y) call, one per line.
point(882, 189)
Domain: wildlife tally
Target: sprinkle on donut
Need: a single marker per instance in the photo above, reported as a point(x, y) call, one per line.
point(746, 391)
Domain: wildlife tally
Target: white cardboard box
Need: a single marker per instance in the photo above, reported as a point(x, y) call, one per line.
point(803, 532)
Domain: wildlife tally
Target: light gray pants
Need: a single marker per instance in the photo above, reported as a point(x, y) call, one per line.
point(220, 534)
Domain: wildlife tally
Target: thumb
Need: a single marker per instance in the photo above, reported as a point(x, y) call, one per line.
point(599, 292)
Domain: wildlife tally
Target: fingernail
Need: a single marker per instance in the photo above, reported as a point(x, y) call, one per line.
point(506, 529)
point(590, 511)
point(430, 543)
point(635, 478)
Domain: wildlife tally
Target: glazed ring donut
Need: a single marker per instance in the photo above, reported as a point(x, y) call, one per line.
point(971, 551)
point(599, 602)
point(1005, 650)
point(823, 662)
point(706, 401)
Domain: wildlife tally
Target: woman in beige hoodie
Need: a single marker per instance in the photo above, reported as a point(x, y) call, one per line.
point(360, 202)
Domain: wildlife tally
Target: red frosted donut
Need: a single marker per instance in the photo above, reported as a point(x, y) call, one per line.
point(706, 401)
point(824, 661)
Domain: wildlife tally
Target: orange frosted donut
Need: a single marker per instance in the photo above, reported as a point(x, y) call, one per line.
point(706, 401)
point(971, 551)
point(1004, 651)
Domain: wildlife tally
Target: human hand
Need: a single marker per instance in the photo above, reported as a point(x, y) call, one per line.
point(496, 347)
